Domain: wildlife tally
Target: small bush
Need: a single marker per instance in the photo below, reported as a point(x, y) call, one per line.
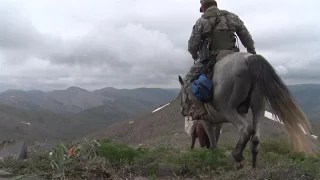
point(281, 146)
point(203, 159)
point(118, 153)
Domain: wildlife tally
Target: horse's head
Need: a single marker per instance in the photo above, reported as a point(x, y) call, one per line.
point(185, 102)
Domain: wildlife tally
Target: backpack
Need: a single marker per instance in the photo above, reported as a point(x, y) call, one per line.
point(202, 88)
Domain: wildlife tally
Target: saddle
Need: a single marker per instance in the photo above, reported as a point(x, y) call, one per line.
point(209, 68)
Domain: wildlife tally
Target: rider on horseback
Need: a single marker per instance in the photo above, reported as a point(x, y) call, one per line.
point(213, 37)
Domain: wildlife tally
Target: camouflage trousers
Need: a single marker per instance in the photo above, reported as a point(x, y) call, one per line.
point(194, 72)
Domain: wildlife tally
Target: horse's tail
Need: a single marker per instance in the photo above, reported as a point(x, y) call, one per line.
point(281, 101)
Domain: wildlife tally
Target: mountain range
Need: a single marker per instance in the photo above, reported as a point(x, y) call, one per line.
point(75, 99)
point(73, 112)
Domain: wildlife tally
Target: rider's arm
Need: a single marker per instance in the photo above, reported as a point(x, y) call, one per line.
point(195, 39)
point(244, 35)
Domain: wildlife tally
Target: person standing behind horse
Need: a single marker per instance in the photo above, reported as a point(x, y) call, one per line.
point(213, 38)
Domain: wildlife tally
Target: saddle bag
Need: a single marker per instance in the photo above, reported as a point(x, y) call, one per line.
point(202, 88)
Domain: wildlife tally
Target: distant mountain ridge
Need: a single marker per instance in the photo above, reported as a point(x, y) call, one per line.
point(74, 99)
point(73, 112)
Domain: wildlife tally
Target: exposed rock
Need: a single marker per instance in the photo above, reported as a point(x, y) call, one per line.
point(4, 174)
point(5, 143)
point(18, 151)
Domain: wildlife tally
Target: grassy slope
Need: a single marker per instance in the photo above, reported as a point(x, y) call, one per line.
point(118, 161)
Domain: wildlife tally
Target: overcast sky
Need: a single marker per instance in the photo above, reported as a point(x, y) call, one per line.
point(54, 44)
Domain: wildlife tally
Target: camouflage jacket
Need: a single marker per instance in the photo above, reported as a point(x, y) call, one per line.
point(230, 21)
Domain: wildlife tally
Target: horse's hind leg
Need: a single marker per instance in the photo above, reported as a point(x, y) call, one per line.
point(258, 108)
point(245, 131)
point(229, 110)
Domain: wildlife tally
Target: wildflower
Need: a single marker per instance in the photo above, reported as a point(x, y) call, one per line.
point(72, 151)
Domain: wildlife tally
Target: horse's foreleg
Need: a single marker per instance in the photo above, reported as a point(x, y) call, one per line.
point(202, 140)
point(211, 133)
point(217, 131)
point(203, 137)
point(207, 142)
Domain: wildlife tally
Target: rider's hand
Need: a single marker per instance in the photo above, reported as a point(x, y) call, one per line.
point(252, 51)
point(195, 56)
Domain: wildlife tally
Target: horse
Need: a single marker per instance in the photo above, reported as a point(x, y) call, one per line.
point(244, 81)
point(199, 132)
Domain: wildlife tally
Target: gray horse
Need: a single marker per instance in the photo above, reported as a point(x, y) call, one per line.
point(245, 81)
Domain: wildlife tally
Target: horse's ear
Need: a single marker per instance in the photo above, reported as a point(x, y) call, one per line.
point(180, 80)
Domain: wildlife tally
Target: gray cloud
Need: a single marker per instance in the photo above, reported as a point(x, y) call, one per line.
point(55, 44)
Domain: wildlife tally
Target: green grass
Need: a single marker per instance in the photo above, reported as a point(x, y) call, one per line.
point(109, 159)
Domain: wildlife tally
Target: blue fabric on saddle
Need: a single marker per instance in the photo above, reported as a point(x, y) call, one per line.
point(202, 88)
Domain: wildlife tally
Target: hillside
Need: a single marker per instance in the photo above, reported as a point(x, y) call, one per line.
point(308, 97)
point(166, 128)
point(57, 115)
point(18, 124)
point(46, 126)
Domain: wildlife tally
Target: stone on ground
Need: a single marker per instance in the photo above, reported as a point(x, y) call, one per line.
point(140, 178)
point(17, 151)
point(4, 174)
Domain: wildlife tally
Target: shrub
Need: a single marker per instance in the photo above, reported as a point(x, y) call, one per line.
point(118, 154)
point(203, 159)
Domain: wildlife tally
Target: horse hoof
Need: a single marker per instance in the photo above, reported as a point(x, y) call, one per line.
point(236, 165)
point(254, 166)
point(239, 166)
